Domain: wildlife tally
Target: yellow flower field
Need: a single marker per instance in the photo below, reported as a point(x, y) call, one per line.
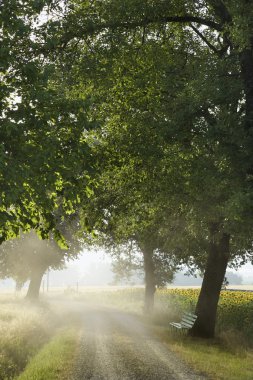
point(235, 310)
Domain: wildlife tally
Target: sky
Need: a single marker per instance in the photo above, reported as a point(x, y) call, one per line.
point(93, 268)
point(92, 263)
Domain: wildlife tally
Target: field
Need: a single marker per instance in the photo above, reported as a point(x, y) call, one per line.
point(235, 310)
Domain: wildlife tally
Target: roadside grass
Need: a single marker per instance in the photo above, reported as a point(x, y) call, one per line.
point(55, 358)
point(23, 330)
point(215, 358)
point(26, 328)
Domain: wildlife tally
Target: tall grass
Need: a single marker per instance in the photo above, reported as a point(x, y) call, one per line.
point(23, 330)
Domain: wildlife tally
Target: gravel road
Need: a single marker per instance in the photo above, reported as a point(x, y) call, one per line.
point(117, 346)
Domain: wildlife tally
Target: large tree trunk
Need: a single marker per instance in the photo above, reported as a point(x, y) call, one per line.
point(150, 286)
point(206, 308)
point(34, 285)
point(246, 60)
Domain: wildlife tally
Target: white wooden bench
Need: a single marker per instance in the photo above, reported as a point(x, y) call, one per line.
point(186, 323)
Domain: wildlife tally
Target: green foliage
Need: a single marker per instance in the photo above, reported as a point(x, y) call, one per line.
point(213, 358)
point(43, 150)
point(166, 84)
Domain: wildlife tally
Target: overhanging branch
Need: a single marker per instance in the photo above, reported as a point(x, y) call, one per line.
point(93, 28)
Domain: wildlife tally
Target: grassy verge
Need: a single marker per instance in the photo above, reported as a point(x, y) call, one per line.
point(23, 331)
point(54, 360)
point(217, 362)
point(25, 328)
point(221, 359)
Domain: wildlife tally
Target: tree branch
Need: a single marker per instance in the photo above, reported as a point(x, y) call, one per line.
point(81, 31)
point(213, 48)
point(186, 19)
point(92, 28)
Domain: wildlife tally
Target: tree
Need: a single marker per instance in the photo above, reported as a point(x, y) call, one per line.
point(28, 258)
point(142, 255)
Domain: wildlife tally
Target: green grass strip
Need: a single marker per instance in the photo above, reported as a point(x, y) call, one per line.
point(54, 360)
point(218, 363)
point(212, 358)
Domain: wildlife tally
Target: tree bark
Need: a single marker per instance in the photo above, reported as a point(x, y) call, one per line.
point(150, 285)
point(246, 60)
point(34, 285)
point(216, 266)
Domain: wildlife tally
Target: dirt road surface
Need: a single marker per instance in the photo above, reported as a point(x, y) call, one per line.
point(118, 346)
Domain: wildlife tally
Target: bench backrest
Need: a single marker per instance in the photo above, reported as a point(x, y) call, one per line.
point(189, 318)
